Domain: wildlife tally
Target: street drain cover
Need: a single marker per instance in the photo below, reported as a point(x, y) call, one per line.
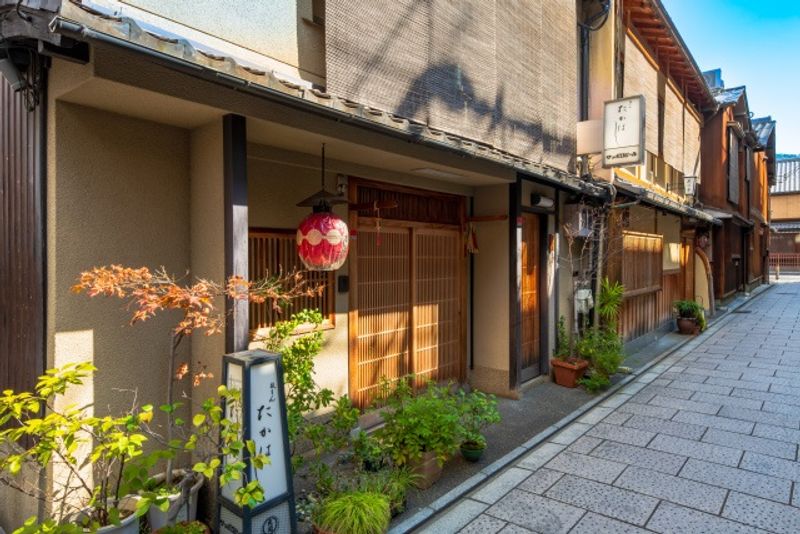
point(742, 311)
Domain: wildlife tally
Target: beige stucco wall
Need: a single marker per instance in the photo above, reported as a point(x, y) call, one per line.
point(491, 306)
point(274, 189)
point(785, 206)
point(701, 289)
point(278, 29)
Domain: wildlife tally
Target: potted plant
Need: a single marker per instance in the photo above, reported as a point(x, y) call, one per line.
point(478, 410)
point(369, 452)
point(149, 293)
point(185, 527)
point(352, 513)
point(420, 431)
point(391, 482)
point(41, 432)
point(690, 317)
point(601, 345)
point(568, 368)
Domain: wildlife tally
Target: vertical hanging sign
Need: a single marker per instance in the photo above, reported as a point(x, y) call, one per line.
point(259, 376)
point(623, 132)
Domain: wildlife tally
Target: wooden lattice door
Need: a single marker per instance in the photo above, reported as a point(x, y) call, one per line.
point(529, 298)
point(408, 307)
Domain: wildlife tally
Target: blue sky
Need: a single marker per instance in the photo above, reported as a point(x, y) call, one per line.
point(756, 43)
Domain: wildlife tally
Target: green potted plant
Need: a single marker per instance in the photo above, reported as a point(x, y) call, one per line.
point(355, 512)
point(369, 452)
point(478, 410)
point(185, 527)
point(421, 431)
point(602, 345)
point(568, 367)
point(392, 482)
point(40, 431)
point(690, 317)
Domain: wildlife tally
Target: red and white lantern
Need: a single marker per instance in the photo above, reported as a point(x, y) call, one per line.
point(322, 241)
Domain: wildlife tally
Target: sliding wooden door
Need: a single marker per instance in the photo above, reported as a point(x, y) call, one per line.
point(408, 294)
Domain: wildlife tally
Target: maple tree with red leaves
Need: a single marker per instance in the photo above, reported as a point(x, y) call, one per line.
point(149, 293)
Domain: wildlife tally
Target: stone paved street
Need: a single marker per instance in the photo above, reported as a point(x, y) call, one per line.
point(705, 441)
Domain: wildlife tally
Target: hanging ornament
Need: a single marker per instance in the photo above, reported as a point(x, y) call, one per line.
point(322, 237)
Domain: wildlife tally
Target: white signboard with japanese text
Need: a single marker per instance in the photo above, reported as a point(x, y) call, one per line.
point(259, 377)
point(623, 132)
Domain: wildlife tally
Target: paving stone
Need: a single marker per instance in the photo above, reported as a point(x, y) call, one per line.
point(617, 418)
point(770, 465)
point(535, 512)
point(780, 433)
point(514, 529)
point(633, 387)
point(776, 407)
point(639, 456)
point(484, 524)
point(621, 434)
point(647, 409)
point(570, 433)
point(704, 388)
point(584, 444)
point(649, 392)
point(696, 449)
point(593, 523)
point(586, 466)
point(616, 400)
point(774, 380)
point(601, 498)
point(540, 456)
point(678, 490)
point(540, 481)
point(786, 390)
point(734, 375)
point(758, 416)
point(727, 400)
point(673, 519)
point(683, 430)
point(770, 447)
point(791, 400)
point(661, 382)
point(712, 421)
point(737, 479)
point(595, 415)
point(648, 377)
point(739, 384)
point(761, 513)
point(492, 490)
point(682, 404)
point(456, 518)
point(675, 375)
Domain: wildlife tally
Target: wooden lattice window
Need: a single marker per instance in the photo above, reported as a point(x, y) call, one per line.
point(273, 251)
point(642, 258)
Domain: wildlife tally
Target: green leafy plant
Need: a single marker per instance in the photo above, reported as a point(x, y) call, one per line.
point(609, 302)
point(416, 424)
point(354, 513)
point(477, 410)
point(184, 527)
point(303, 396)
point(689, 309)
point(562, 350)
point(602, 346)
point(368, 451)
point(41, 432)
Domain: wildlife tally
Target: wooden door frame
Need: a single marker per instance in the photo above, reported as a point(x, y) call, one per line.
point(352, 315)
point(515, 212)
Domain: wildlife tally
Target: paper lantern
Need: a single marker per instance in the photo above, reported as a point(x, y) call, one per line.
point(322, 241)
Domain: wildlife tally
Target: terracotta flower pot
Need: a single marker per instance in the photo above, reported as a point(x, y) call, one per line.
point(427, 468)
point(687, 325)
point(567, 373)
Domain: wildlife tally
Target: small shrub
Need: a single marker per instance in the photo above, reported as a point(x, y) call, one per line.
point(192, 527)
point(595, 382)
point(354, 513)
point(689, 309)
point(562, 349)
point(478, 410)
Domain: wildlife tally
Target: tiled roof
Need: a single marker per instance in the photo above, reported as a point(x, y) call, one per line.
point(787, 176)
point(728, 97)
point(763, 127)
point(87, 20)
point(788, 226)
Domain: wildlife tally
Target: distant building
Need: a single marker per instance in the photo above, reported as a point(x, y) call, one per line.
point(785, 208)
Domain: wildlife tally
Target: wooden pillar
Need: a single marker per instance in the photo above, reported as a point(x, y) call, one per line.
point(514, 283)
point(234, 141)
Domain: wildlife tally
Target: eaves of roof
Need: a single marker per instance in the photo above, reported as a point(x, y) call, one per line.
point(654, 199)
point(86, 24)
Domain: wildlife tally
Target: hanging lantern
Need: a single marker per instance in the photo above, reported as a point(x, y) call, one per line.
point(322, 237)
point(322, 241)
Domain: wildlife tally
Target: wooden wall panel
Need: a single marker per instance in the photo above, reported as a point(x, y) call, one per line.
point(646, 312)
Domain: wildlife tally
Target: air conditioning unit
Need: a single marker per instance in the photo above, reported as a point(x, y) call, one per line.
point(578, 220)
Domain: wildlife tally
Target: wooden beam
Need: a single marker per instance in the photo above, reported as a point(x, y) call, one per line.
point(234, 147)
